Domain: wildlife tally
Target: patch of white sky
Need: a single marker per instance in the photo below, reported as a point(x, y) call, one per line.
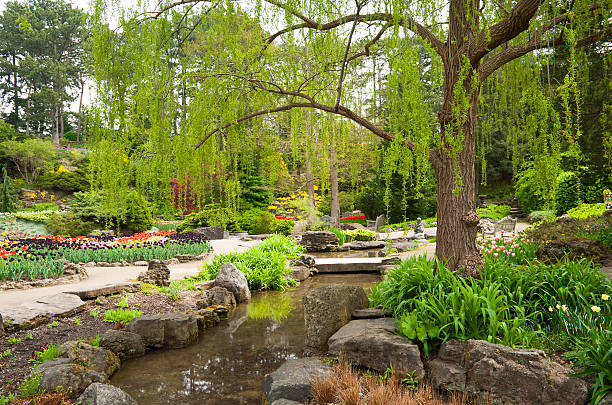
point(270, 24)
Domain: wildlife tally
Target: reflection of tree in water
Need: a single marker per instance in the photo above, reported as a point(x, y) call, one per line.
point(273, 305)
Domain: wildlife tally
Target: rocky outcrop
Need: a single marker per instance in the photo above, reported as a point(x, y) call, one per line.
point(92, 357)
point(71, 377)
point(327, 309)
point(300, 273)
point(157, 273)
point(292, 381)
point(104, 394)
point(126, 345)
point(233, 280)
point(211, 232)
point(206, 318)
point(575, 247)
point(319, 241)
point(372, 343)
point(73, 268)
point(362, 245)
point(511, 376)
point(171, 330)
point(217, 296)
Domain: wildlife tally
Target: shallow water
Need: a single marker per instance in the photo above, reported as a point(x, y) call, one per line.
point(228, 364)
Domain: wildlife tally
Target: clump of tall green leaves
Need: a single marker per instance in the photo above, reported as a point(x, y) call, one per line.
point(264, 266)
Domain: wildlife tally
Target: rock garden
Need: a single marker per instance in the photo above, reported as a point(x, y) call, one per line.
point(313, 202)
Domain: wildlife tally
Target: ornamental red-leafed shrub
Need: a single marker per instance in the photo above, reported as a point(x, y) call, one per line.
point(184, 196)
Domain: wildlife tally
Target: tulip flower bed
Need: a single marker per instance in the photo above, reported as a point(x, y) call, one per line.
point(40, 257)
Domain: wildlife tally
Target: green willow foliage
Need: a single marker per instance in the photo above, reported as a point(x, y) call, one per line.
point(174, 87)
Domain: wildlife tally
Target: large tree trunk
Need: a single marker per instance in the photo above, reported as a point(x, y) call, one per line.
point(56, 126)
point(457, 217)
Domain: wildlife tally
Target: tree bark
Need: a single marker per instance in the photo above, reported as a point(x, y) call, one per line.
point(333, 182)
point(456, 214)
point(56, 129)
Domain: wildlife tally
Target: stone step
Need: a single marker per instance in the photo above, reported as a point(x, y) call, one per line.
point(349, 265)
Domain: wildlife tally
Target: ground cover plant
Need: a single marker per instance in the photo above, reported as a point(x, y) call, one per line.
point(494, 211)
point(264, 266)
point(40, 256)
point(517, 301)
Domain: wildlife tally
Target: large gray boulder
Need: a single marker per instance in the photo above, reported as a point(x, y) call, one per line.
point(319, 241)
point(104, 394)
point(327, 309)
point(72, 378)
point(233, 280)
point(217, 296)
point(511, 376)
point(211, 232)
point(372, 343)
point(96, 358)
point(292, 381)
point(126, 345)
point(171, 330)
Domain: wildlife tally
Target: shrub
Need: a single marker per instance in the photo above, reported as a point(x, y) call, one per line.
point(493, 211)
point(256, 221)
point(64, 180)
point(138, 215)
point(359, 234)
point(530, 190)
point(537, 216)
point(283, 226)
point(209, 215)
point(585, 211)
point(68, 224)
point(30, 157)
point(6, 200)
point(566, 192)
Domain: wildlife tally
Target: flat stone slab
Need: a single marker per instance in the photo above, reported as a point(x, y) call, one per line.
point(31, 314)
point(108, 289)
point(373, 343)
point(371, 313)
point(349, 265)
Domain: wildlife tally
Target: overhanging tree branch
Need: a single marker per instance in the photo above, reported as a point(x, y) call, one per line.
point(409, 22)
point(342, 111)
point(495, 62)
point(512, 25)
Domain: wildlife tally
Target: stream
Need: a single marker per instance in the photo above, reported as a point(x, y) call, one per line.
point(229, 362)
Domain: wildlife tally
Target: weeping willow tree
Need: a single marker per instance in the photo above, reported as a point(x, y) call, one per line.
point(186, 93)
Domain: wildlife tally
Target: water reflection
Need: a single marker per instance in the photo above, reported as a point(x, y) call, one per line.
point(228, 364)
